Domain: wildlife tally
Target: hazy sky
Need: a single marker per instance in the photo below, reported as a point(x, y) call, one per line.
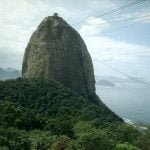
point(124, 45)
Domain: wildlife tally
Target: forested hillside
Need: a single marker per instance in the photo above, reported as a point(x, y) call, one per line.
point(41, 114)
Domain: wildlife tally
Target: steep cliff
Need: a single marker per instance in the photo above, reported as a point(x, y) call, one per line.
point(57, 51)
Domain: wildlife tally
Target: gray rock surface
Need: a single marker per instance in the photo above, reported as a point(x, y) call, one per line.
point(57, 51)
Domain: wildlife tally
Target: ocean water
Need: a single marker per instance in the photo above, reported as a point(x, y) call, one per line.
point(128, 102)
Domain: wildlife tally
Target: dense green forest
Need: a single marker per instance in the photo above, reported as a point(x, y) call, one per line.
point(41, 114)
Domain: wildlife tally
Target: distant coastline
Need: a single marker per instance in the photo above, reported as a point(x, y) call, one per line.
point(9, 73)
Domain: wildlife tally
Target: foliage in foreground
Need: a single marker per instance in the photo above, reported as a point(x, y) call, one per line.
point(43, 114)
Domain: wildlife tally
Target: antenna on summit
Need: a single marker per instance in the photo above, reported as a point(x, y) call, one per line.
point(56, 15)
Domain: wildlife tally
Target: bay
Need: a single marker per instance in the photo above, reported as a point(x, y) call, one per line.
point(128, 102)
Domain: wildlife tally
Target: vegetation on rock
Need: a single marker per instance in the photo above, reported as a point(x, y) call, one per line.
point(41, 114)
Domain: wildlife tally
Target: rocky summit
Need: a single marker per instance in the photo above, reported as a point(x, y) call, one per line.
point(57, 51)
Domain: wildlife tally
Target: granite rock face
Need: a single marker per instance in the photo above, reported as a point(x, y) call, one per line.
point(57, 51)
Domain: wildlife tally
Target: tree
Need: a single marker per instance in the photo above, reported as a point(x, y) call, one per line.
point(125, 146)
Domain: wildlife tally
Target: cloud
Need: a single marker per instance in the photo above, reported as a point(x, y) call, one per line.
point(28, 12)
point(130, 58)
point(13, 41)
point(145, 19)
point(111, 50)
point(95, 5)
point(93, 26)
point(19, 18)
point(10, 58)
point(16, 11)
point(143, 16)
point(107, 48)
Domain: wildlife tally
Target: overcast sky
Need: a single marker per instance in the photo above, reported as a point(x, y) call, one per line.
point(123, 45)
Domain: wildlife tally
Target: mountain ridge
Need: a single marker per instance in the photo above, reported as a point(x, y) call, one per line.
point(9, 73)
